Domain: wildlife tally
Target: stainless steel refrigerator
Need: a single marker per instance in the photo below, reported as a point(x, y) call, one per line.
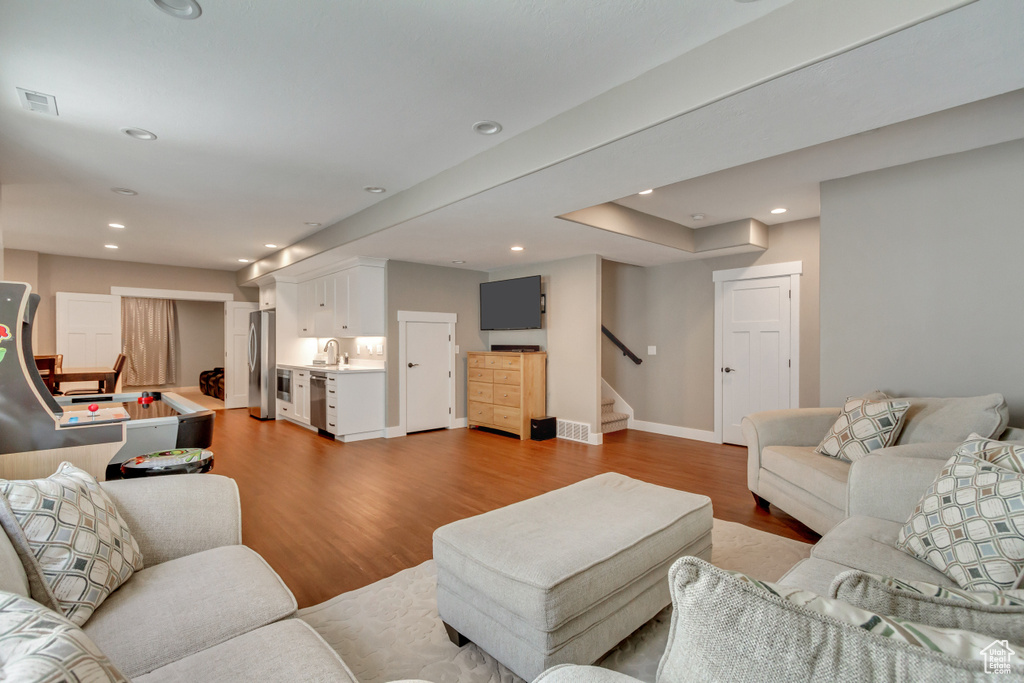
point(262, 365)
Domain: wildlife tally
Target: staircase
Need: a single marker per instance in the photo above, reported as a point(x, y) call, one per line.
point(612, 422)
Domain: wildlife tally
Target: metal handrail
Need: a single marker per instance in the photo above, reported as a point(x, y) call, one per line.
point(622, 347)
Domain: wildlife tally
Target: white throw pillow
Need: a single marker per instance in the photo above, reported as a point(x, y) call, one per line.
point(37, 644)
point(74, 544)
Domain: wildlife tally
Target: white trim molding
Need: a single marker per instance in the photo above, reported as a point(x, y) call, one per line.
point(178, 294)
point(794, 269)
point(673, 430)
point(405, 317)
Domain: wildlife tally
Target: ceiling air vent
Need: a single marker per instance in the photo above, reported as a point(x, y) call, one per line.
point(38, 102)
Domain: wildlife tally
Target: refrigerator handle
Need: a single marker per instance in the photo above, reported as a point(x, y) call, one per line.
point(252, 347)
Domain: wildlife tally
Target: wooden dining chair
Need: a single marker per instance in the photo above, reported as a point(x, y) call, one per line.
point(118, 367)
point(47, 366)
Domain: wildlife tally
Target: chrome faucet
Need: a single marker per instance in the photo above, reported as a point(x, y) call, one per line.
point(332, 353)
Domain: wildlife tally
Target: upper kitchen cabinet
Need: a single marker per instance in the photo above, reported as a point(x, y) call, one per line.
point(348, 302)
point(268, 296)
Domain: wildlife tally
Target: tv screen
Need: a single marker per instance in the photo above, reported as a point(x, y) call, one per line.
point(510, 304)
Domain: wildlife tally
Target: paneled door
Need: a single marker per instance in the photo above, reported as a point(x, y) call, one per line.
point(428, 368)
point(755, 351)
point(236, 353)
point(88, 332)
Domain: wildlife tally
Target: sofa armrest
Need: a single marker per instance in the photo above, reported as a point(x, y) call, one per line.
point(888, 486)
point(575, 673)
point(792, 427)
point(174, 516)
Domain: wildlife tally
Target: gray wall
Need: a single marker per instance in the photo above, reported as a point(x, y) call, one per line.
point(200, 339)
point(672, 307)
point(49, 274)
point(921, 287)
point(418, 287)
point(571, 335)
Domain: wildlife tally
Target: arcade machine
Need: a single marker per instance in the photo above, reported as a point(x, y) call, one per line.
point(39, 431)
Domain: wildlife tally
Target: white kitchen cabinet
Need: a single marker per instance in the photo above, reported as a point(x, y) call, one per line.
point(306, 303)
point(366, 314)
point(300, 396)
point(324, 298)
point(359, 404)
point(268, 296)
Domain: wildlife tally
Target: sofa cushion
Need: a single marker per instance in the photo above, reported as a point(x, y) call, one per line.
point(863, 426)
point(73, 543)
point(1008, 455)
point(970, 525)
point(38, 644)
point(182, 606)
point(729, 628)
point(800, 465)
point(283, 652)
point(868, 544)
point(813, 574)
point(13, 578)
point(997, 614)
point(954, 419)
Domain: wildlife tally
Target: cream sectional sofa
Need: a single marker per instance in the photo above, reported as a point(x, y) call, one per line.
point(783, 469)
point(205, 607)
point(882, 492)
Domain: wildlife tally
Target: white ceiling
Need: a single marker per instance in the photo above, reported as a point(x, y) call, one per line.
point(273, 114)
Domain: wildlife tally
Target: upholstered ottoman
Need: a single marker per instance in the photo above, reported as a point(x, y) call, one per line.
point(563, 577)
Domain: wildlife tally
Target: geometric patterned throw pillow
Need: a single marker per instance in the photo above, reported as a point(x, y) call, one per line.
point(74, 544)
point(999, 453)
point(863, 426)
point(970, 525)
point(37, 644)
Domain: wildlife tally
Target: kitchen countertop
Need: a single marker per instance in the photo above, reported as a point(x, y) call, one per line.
point(347, 369)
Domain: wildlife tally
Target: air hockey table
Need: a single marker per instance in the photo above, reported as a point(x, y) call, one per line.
point(156, 421)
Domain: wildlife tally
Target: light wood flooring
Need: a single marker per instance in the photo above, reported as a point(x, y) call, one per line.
point(331, 517)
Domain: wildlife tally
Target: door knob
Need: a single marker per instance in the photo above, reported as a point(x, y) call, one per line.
point(412, 365)
point(728, 370)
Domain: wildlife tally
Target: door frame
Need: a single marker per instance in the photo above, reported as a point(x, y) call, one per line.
point(405, 317)
point(794, 269)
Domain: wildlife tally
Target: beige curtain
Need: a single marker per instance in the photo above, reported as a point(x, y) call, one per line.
point(148, 334)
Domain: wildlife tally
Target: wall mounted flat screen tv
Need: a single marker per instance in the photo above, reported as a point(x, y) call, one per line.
point(511, 304)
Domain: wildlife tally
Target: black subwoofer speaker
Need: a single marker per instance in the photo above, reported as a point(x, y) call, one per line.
point(542, 428)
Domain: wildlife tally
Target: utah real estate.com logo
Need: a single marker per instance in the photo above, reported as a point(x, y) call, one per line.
point(997, 657)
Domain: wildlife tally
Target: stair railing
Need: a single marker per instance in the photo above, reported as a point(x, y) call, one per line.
point(622, 347)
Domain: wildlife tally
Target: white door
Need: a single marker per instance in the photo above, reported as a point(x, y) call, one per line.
point(88, 332)
point(755, 350)
point(236, 353)
point(428, 368)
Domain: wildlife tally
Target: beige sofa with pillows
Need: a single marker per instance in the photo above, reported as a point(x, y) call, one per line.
point(144, 580)
point(786, 468)
point(839, 615)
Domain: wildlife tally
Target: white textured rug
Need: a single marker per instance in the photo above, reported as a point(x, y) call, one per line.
point(390, 630)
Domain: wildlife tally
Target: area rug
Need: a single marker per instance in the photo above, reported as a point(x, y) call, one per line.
point(195, 395)
point(390, 630)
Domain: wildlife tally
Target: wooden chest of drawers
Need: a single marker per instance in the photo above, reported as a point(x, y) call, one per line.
point(506, 390)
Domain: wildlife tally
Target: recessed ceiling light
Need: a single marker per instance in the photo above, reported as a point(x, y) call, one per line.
point(374, 190)
point(270, 246)
point(697, 216)
point(517, 248)
point(458, 261)
point(243, 260)
point(123, 190)
point(179, 9)
point(139, 133)
point(487, 127)
point(778, 211)
point(312, 225)
point(110, 246)
point(115, 225)
point(646, 191)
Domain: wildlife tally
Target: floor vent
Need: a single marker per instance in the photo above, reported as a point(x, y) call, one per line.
point(574, 431)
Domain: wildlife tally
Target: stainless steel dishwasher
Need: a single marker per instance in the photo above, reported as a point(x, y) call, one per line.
point(318, 400)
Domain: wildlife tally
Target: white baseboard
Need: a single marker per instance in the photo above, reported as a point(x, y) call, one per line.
point(596, 438)
point(460, 423)
point(672, 430)
point(361, 436)
point(394, 432)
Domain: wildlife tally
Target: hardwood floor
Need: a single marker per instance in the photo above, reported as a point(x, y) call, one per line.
point(330, 517)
